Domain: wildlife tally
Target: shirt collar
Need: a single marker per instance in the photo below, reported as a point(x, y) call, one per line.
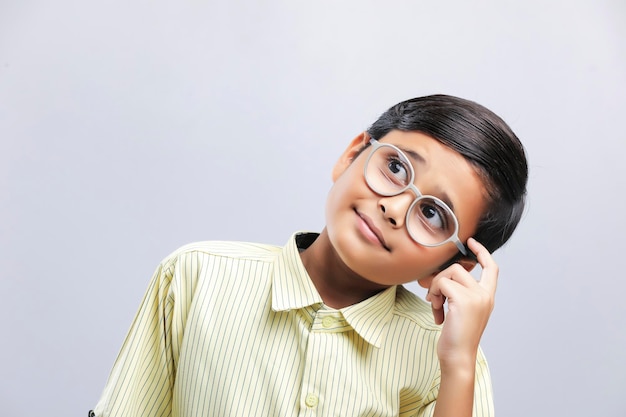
point(370, 317)
point(293, 289)
point(291, 286)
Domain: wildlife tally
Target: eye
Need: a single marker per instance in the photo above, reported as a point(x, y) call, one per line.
point(397, 171)
point(433, 216)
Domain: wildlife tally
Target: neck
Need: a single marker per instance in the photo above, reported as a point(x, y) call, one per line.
point(337, 284)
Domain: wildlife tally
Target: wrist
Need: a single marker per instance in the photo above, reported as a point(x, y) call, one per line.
point(458, 363)
point(456, 390)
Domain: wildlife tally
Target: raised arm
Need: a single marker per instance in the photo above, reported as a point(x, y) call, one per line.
point(470, 304)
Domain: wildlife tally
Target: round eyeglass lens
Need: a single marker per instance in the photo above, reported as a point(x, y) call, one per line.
point(430, 221)
point(387, 171)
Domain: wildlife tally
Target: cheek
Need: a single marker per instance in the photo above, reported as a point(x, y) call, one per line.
point(332, 204)
point(341, 195)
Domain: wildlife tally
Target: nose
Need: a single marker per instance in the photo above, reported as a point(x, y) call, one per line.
point(394, 208)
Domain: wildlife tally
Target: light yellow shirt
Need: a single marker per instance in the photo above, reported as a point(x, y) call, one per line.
point(238, 329)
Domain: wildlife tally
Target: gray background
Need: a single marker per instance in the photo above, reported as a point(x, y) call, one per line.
point(128, 128)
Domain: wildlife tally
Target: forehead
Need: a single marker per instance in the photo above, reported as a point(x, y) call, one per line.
point(423, 148)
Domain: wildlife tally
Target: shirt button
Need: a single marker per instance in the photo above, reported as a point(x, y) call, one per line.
point(328, 322)
point(311, 400)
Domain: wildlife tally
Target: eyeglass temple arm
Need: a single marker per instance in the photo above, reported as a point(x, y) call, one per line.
point(465, 250)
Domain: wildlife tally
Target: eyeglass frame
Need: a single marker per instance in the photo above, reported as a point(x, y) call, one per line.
point(454, 238)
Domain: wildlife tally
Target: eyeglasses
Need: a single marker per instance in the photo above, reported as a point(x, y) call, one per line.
point(429, 220)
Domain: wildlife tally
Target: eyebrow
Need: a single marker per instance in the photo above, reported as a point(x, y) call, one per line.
point(420, 159)
point(414, 155)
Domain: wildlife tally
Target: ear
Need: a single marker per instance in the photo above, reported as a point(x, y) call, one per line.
point(425, 282)
point(349, 154)
point(467, 264)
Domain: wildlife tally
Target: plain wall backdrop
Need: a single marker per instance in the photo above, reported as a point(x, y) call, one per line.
point(129, 128)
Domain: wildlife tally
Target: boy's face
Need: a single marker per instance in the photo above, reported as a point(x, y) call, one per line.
point(358, 218)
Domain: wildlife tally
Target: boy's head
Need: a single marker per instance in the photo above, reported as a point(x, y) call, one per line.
point(484, 140)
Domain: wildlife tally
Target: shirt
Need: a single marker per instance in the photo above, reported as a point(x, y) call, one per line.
point(238, 329)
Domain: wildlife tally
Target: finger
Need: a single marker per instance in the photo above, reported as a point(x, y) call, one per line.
point(489, 274)
point(445, 289)
point(436, 300)
point(436, 304)
point(458, 274)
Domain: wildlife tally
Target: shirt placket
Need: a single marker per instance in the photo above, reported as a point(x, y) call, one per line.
point(322, 361)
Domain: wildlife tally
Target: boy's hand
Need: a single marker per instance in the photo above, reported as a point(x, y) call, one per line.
point(470, 304)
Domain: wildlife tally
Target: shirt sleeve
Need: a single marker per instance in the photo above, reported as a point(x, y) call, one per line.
point(142, 378)
point(483, 391)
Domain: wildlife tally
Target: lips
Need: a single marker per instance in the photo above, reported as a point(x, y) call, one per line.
point(373, 229)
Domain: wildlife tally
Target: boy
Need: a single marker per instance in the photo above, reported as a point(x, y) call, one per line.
point(323, 325)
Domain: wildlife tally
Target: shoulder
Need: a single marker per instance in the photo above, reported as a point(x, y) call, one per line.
point(222, 249)
point(409, 306)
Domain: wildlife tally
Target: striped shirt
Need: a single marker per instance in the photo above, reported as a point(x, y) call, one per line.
point(238, 329)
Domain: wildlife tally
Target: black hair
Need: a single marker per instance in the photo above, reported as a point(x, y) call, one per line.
point(484, 140)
